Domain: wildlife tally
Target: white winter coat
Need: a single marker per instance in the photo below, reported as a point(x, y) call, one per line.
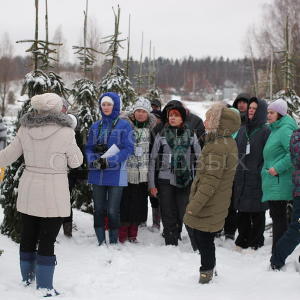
point(49, 148)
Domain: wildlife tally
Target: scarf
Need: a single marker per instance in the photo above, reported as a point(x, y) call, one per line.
point(179, 140)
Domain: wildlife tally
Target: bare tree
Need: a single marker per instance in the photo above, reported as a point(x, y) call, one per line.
point(6, 53)
point(61, 52)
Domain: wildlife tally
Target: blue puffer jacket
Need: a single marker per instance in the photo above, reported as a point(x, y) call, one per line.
point(110, 130)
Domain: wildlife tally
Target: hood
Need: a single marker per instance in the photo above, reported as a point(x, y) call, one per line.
point(287, 121)
point(42, 126)
point(225, 120)
point(260, 117)
point(171, 104)
point(243, 96)
point(116, 108)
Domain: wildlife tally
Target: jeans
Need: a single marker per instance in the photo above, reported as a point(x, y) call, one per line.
point(290, 239)
point(39, 232)
point(107, 201)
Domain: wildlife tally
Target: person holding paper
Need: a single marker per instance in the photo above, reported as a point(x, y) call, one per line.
point(110, 143)
point(135, 195)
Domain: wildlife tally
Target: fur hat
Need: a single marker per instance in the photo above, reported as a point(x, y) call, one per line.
point(142, 103)
point(48, 102)
point(280, 106)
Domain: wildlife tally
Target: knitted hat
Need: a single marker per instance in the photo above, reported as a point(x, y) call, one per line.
point(48, 102)
point(280, 106)
point(142, 103)
point(107, 99)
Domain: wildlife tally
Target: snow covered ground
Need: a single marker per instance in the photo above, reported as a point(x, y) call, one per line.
point(149, 269)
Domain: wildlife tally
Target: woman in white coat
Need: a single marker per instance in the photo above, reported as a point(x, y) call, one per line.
point(47, 142)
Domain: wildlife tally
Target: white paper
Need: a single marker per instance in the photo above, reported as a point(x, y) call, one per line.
point(113, 150)
point(248, 149)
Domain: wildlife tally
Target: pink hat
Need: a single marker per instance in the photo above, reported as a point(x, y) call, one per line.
point(280, 106)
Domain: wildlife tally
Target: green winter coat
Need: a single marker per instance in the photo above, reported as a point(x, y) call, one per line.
point(277, 155)
point(212, 186)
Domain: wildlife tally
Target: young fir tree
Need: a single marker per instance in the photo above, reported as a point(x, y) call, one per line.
point(288, 72)
point(85, 95)
point(116, 79)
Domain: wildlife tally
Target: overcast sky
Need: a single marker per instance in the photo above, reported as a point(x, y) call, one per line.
point(177, 28)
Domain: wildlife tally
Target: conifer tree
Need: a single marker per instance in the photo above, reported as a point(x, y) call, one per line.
point(116, 79)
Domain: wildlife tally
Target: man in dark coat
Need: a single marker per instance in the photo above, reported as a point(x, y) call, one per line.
point(241, 103)
point(247, 192)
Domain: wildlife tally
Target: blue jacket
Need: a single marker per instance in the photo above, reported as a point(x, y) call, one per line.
point(110, 130)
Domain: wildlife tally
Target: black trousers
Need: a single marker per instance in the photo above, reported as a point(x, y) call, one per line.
point(39, 234)
point(231, 220)
point(173, 202)
point(251, 227)
point(279, 220)
point(206, 246)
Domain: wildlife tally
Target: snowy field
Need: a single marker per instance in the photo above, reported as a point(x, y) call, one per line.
point(149, 269)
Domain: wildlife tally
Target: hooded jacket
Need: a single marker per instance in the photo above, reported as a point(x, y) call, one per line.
point(110, 130)
point(277, 155)
point(247, 192)
point(244, 97)
point(48, 144)
point(212, 186)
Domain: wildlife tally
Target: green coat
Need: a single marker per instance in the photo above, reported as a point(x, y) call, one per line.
point(277, 155)
point(212, 186)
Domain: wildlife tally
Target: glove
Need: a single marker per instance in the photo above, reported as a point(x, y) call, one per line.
point(100, 163)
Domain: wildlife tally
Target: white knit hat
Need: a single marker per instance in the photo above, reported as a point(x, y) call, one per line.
point(142, 103)
point(280, 106)
point(107, 99)
point(48, 102)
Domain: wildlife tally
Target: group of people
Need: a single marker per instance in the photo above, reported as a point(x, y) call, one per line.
point(218, 175)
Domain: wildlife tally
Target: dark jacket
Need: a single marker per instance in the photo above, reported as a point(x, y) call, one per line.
point(245, 97)
point(295, 156)
point(247, 190)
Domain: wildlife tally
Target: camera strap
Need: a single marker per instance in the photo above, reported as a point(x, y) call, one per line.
point(109, 130)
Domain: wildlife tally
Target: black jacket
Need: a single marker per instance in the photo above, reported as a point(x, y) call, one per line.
point(247, 191)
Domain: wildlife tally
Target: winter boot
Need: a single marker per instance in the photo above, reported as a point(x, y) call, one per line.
point(171, 238)
point(156, 218)
point(27, 266)
point(100, 233)
point(123, 234)
point(44, 275)
point(132, 233)
point(206, 276)
point(67, 227)
point(113, 236)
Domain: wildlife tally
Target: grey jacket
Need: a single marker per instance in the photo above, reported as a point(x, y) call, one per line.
point(164, 168)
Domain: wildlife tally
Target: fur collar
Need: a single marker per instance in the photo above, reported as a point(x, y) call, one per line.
point(33, 119)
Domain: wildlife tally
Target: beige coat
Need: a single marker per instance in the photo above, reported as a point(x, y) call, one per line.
point(49, 148)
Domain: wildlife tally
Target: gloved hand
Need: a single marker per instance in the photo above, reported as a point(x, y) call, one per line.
point(100, 163)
